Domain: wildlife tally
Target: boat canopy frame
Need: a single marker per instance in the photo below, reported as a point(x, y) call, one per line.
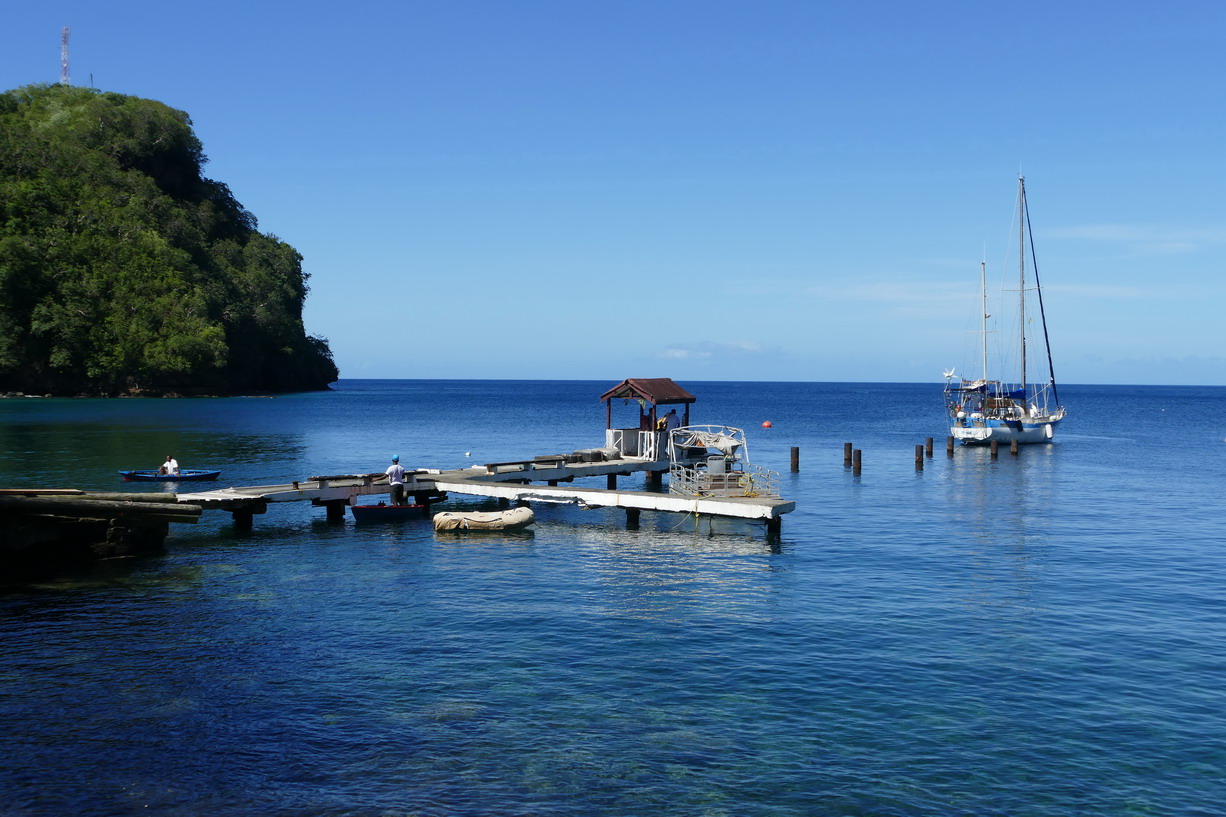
point(712, 460)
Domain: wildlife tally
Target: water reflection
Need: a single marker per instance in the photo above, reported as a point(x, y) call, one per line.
point(1002, 532)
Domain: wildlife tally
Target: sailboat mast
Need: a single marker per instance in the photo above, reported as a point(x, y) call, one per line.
point(1021, 271)
point(983, 312)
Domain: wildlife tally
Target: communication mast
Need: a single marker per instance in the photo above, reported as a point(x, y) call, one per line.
point(64, 78)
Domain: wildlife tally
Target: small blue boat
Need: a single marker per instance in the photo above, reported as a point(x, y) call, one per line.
point(184, 475)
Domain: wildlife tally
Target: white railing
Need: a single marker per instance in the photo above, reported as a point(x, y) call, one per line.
point(702, 480)
point(651, 445)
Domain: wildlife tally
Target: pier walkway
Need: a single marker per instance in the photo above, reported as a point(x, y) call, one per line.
point(509, 482)
point(710, 486)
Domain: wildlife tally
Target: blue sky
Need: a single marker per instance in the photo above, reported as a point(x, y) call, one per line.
point(700, 190)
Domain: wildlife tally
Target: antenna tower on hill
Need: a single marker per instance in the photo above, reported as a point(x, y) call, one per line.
point(64, 78)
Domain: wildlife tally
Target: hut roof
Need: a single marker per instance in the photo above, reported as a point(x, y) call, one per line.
point(659, 391)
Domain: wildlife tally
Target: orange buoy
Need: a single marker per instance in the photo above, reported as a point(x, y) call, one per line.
point(766, 423)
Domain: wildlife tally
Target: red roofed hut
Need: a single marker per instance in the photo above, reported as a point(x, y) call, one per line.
point(643, 440)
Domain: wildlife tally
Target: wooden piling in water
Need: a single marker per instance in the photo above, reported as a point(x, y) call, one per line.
point(855, 461)
point(949, 445)
point(795, 459)
point(847, 453)
point(927, 446)
point(1013, 447)
point(995, 446)
point(919, 458)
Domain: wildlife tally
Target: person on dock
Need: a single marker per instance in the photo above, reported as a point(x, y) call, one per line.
point(395, 478)
point(170, 467)
point(671, 420)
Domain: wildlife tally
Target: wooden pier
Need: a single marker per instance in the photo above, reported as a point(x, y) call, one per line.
point(640, 448)
point(518, 481)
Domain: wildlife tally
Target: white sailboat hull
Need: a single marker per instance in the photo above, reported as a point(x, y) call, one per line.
point(986, 431)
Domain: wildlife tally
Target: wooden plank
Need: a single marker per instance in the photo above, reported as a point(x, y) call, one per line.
point(67, 505)
point(739, 507)
point(40, 491)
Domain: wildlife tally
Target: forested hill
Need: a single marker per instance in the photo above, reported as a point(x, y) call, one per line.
point(123, 270)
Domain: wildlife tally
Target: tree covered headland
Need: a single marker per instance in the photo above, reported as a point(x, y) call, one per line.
point(123, 270)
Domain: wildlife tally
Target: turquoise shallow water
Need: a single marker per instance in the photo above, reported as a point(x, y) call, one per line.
point(1039, 635)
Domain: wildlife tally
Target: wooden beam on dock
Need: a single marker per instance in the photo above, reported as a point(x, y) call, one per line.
point(97, 507)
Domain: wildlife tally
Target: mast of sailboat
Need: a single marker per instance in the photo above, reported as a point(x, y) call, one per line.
point(1022, 218)
point(983, 312)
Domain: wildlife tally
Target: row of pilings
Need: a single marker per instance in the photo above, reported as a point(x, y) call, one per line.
point(853, 457)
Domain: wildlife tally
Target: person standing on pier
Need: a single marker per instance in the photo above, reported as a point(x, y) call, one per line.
point(395, 478)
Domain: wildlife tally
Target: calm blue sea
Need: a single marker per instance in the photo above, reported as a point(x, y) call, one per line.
point(1042, 634)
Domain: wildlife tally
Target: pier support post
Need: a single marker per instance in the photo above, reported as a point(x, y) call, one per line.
point(919, 458)
point(774, 526)
point(632, 518)
point(995, 448)
point(612, 482)
point(927, 446)
point(655, 480)
point(795, 459)
point(336, 510)
point(503, 503)
point(855, 462)
point(949, 445)
point(244, 515)
point(847, 453)
point(1013, 447)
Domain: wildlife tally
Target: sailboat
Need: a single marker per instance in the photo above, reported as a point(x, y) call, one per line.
point(984, 410)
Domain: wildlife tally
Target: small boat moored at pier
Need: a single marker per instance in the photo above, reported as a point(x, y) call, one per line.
point(511, 519)
point(184, 475)
point(713, 461)
point(383, 512)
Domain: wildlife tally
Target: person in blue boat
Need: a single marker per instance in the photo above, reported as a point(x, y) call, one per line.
point(170, 467)
point(395, 478)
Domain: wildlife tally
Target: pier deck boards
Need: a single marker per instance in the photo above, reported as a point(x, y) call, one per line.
point(742, 507)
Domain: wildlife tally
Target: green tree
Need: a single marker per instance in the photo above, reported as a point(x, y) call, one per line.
point(124, 269)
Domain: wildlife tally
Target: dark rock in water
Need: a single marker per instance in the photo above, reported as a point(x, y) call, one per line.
point(34, 548)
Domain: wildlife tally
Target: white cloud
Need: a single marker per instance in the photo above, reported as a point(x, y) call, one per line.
point(1149, 238)
point(1109, 291)
point(705, 350)
point(895, 292)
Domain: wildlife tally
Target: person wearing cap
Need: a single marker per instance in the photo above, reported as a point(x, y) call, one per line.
point(395, 478)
